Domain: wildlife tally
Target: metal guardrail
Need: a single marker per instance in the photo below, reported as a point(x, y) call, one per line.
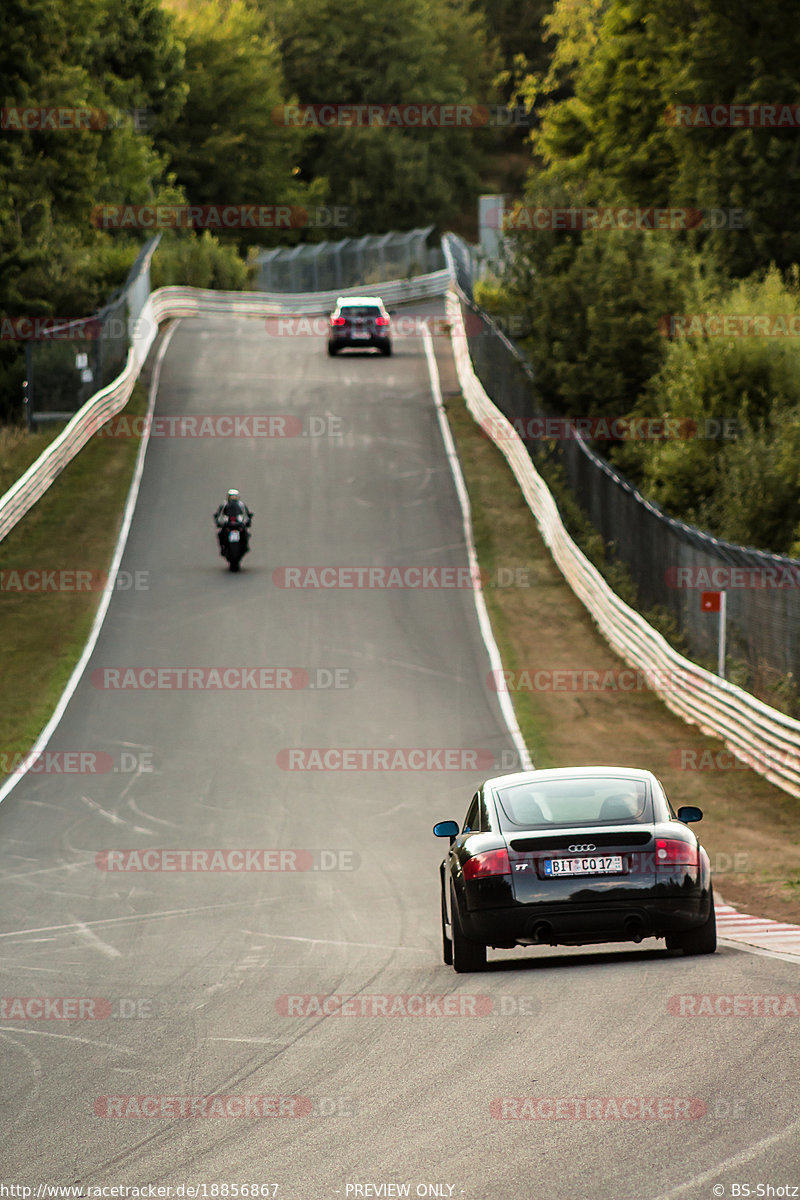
point(764, 738)
point(193, 302)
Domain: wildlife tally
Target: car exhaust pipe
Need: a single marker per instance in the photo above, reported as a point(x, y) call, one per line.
point(634, 928)
point(543, 932)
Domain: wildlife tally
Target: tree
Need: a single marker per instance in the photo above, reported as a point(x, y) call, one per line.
point(421, 52)
point(225, 148)
point(616, 140)
point(50, 179)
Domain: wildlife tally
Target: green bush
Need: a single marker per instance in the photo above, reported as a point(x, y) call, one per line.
point(198, 260)
point(737, 476)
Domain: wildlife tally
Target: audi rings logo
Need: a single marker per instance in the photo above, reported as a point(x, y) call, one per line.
point(582, 849)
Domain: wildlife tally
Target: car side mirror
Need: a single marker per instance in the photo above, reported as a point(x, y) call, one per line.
point(448, 829)
point(688, 813)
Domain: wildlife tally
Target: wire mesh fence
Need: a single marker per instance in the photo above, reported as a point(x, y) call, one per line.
point(351, 262)
point(670, 563)
point(70, 361)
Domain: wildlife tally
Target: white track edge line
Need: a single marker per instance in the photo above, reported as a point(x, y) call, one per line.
point(761, 951)
point(504, 698)
point(738, 1160)
point(108, 590)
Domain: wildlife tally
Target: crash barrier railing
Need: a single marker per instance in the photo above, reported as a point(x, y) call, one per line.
point(164, 304)
point(205, 303)
point(762, 737)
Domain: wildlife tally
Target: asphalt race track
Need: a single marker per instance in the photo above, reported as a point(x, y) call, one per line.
point(204, 984)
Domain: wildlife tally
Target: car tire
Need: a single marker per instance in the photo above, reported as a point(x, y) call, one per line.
point(386, 351)
point(467, 956)
point(331, 351)
point(447, 945)
point(702, 940)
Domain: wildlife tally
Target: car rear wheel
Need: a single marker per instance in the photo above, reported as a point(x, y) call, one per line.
point(386, 351)
point(447, 945)
point(702, 940)
point(467, 956)
point(331, 350)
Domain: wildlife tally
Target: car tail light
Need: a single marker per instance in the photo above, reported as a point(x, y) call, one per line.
point(381, 320)
point(670, 852)
point(338, 321)
point(492, 862)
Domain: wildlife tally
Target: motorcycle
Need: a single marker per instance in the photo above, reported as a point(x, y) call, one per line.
point(234, 540)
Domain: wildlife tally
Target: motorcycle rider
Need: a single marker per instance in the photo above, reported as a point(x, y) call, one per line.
point(233, 509)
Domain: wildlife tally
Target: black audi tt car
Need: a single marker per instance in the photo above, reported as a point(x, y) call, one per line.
point(573, 856)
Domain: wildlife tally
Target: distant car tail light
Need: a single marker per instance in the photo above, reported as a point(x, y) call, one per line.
point(338, 320)
point(493, 862)
point(381, 320)
point(670, 852)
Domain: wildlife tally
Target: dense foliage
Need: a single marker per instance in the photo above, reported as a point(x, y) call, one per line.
point(187, 101)
point(618, 128)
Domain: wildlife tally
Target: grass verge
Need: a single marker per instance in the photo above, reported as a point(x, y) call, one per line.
point(18, 449)
point(750, 829)
point(73, 527)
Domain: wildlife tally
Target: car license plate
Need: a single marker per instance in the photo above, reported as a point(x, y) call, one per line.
point(608, 864)
point(233, 536)
point(361, 333)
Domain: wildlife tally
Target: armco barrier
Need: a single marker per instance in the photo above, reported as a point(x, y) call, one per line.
point(163, 304)
point(762, 736)
point(196, 302)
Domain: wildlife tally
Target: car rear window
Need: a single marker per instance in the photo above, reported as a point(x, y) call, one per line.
point(578, 801)
point(360, 310)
